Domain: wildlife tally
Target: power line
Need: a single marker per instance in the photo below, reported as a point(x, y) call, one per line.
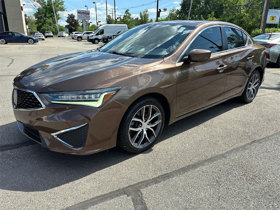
point(140, 5)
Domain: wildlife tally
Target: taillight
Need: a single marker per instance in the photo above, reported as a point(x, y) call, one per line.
point(269, 45)
point(266, 53)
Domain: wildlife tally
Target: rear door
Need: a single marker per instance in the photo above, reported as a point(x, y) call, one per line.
point(202, 83)
point(9, 37)
point(239, 58)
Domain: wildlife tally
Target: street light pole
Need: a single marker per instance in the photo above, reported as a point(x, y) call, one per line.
point(95, 12)
point(55, 17)
point(106, 13)
point(115, 11)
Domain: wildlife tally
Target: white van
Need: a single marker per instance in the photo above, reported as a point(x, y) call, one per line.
point(106, 30)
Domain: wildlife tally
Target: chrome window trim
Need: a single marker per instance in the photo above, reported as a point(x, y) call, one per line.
point(36, 96)
point(64, 131)
point(221, 26)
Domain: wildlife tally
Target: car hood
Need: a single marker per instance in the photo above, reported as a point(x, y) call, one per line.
point(80, 71)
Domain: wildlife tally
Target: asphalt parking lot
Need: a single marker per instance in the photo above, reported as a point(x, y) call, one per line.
point(226, 157)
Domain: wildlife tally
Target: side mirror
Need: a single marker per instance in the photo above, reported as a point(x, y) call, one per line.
point(197, 55)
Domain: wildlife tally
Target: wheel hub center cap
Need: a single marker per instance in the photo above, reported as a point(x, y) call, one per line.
point(144, 126)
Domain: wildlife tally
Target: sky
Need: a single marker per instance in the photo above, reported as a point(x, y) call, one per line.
point(134, 6)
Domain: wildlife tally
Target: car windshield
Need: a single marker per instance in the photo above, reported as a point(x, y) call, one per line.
point(267, 37)
point(149, 41)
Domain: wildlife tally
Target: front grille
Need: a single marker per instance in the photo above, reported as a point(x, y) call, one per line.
point(25, 100)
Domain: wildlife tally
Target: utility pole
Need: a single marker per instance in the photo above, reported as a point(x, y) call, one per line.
point(95, 12)
point(106, 13)
point(189, 15)
point(264, 15)
point(55, 17)
point(157, 11)
point(115, 10)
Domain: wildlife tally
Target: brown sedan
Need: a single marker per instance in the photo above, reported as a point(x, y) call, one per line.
point(127, 91)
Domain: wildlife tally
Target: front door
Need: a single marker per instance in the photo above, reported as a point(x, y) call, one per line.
point(201, 84)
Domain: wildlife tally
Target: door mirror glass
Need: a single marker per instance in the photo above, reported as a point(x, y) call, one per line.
point(197, 55)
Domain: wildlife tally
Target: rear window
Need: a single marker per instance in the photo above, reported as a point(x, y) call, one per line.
point(234, 38)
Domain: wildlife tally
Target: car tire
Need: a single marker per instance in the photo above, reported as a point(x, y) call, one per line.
point(252, 87)
point(96, 41)
point(79, 39)
point(3, 41)
point(141, 126)
point(278, 62)
point(30, 41)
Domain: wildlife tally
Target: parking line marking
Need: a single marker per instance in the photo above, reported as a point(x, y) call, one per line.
point(275, 72)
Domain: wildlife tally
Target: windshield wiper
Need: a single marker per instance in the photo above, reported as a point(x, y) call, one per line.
point(118, 53)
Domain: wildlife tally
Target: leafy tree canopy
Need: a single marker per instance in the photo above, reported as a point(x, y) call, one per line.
point(45, 20)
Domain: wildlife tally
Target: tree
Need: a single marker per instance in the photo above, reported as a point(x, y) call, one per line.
point(245, 13)
point(31, 24)
point(127, 19)
point(45, 20)
point(110, 20)
point(144, 17)
point(172, 15)
point(73, 24)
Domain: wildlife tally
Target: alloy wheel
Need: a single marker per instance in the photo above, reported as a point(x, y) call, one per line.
point(145, 126)
point(30, 41)
point(2, 41)
point(253, 86)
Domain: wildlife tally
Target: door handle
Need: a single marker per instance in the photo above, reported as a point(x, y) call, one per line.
point(250, 57)
point(221, 68)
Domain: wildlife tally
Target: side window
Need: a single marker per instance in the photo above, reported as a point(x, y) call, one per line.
point(210, 39)
point(245, 38)
point(234, 38)
point(17, 34)
point(100, 32)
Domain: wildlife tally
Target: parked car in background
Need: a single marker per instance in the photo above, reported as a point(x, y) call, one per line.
point(271, 41)
point(15, 37)
point(83, 36)
point(48, 34)
point(39, 35)
point(106, 39)
point(127, 91)
point(62, 34)
point(73, 33)
point(107, 30)
point(273, 53)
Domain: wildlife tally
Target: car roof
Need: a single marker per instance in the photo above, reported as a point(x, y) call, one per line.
point(195, 23)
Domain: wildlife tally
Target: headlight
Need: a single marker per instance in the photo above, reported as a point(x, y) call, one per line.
point(93, 98)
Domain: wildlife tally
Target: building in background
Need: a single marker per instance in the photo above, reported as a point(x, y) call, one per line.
point(12, 16)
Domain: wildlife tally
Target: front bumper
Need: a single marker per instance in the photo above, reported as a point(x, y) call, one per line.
point(71, 129)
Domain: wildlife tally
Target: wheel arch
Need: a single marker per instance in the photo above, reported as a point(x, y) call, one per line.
point(159, 97)
point(260, 70)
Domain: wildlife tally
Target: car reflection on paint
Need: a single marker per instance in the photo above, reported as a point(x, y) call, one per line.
point(15, 37)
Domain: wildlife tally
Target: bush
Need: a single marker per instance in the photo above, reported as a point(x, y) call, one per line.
point(258, 31)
